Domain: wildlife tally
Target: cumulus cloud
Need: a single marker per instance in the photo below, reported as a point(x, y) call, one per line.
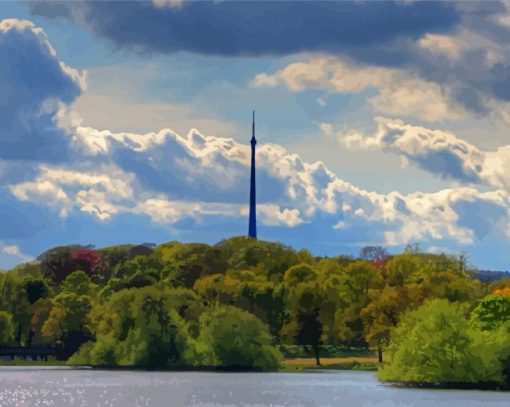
point(98, 192)
point(439, 152)
point(400, 93)
point(273, 215)
point(35, 85)
point(209, 181)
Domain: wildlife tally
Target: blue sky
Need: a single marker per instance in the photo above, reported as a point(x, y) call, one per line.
point(378, 123)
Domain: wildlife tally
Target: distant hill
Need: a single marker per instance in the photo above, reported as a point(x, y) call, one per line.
point(488, 276)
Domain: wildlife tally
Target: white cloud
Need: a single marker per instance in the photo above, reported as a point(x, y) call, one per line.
point(163, 210)
point(14, 251)
point(274, 215)
point(324, 72)
point(321, 102)
point(439, 152)
point(169, 177)
point(100, 192)
point(43, 192)
point(442, 45)
point(400, 92)
point(168, 3)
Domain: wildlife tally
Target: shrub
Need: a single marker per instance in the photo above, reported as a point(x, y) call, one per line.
point(238, 340)
point(437, 344)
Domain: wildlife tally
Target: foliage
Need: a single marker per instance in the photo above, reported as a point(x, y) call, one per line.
point(187, 263)
point(35, 288)
point(492, 311)
point(59, 262)
point(238, 339)
point(67, 322)
point(229, 305)
point(436, 344)
point(86, 260)
point(79, 283)
point(305, 326)
point(141, 327)
point(6, 328)
point(502, 291)
point(299, 273)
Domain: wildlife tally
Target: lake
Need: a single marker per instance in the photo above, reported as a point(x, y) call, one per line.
point(23, 387)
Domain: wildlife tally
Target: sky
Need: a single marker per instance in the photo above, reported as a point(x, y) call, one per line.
point(378, 123)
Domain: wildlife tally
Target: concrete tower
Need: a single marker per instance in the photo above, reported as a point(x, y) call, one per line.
point(252, 230)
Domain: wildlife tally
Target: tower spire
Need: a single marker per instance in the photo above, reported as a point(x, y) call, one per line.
point(252, 229)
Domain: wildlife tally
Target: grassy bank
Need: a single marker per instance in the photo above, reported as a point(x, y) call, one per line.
point(23, 362)
point(288, 365)
point(368, 363)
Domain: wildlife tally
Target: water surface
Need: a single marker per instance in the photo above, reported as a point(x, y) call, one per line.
point(23, 387)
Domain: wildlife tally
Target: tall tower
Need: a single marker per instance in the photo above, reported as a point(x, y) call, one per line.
point(252, 230)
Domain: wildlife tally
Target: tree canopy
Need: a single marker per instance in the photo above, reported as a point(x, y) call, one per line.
point(233, 304)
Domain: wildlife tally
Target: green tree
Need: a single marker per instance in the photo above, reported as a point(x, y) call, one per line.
point(68, 324)
point(6, 328)
point(15, 301)
point(300, 273)
point(345, 294)
point(404, 269)
point(183, 264)
point(78, 282)
point(268, 258)
point(436, 344)
point(143, 327)
point(41, 312)
point(382, 314)
point(305, 326)
point(492, 311)
point(238, 339)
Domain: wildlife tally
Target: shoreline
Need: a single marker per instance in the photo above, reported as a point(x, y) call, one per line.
point(481, 386)
point(290, 365)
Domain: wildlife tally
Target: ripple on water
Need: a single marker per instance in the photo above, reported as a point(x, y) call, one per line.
point(95, 388)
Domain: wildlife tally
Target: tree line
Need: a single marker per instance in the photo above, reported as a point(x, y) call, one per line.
point(232, 305)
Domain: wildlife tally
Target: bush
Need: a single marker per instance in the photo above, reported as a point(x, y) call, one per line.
point(141, 328)
point(437, 344)
point(238, 340)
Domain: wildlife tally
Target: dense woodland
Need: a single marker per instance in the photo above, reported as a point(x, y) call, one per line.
point(234, 304)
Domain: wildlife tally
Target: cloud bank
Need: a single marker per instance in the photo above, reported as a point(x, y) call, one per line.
point(436, 60)
point(252, 27)
point(170, 178)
